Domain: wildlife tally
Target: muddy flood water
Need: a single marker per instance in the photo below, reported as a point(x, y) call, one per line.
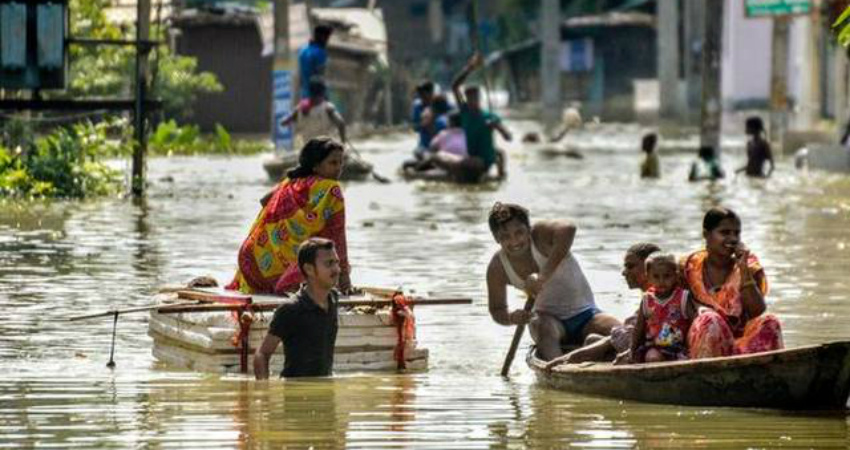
point(62, 259)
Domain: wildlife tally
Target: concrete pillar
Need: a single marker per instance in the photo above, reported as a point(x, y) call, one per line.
point(712, 107)
point(550, 71)
point(842, 112)
point(779, 81)
point(694, 24)
point(668, 59)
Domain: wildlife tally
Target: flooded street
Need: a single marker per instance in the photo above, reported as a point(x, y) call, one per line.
point(62, 259)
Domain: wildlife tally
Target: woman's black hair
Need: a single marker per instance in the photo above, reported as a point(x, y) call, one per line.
point(716, 215)
point(454, 119)
point(312, 154)
point(502, 213)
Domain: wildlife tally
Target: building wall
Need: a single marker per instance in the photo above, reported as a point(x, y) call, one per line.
point(232, 53)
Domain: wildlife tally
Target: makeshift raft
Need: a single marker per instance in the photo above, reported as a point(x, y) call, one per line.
point(807, 378)
point(210, 337)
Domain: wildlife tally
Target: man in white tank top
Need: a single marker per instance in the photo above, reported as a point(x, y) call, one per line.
point(538, 260)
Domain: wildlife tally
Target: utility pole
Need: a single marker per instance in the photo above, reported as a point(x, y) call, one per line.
point(693, 12)
point(815, 64)
point(668, 59)
point(779, 81)
point(143, 26)
point(282, 70)
point(550, 70)
point(711, 110)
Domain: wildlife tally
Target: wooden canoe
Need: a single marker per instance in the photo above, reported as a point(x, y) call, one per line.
point(439, 175)
point(354, 169)
point(803, 378)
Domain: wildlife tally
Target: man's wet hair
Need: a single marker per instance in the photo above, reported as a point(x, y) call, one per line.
point(322, 31)
point(754, 123)
point(643, 249)
point(648, 142)
point(502, 213)
point(706, 151)
point(661, 259)
point(425, 87)
point(455, 120)
point(472, 89)
point(718, 214)
point(308, 250)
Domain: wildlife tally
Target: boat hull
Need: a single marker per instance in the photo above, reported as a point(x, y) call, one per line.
point(812, 377)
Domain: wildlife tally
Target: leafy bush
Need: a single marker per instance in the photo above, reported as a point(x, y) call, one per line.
point(64, 163)
point(170, 138)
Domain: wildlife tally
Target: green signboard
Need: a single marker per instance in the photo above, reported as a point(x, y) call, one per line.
point(770, 8)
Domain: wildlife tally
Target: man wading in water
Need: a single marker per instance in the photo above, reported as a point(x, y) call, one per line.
point(307, 325)
point(537, 259)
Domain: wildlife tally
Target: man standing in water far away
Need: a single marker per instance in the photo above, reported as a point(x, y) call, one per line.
point(538, 260)
point(307, 324)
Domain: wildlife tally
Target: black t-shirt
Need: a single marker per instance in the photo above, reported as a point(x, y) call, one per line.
point(308, 333)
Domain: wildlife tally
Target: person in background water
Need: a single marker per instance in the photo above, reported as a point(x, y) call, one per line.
point(664, 315)
point(313, 58)
point(308, 203)
point(729, 285)
point(707, 166)
point(315, 116)
point(539, 260)
point(758, 150)
point(424, 98)
point(307, 325)
point(651, 166)
point(478, 124)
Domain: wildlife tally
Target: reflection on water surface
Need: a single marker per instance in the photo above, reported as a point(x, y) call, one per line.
point(62, 259)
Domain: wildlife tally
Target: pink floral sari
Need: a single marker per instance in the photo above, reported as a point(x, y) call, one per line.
point(721, 327)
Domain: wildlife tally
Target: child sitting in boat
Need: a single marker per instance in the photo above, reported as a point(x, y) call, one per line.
point(665, 314)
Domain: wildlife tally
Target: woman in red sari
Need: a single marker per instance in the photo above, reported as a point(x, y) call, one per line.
point(308, 203)
point(729, 285)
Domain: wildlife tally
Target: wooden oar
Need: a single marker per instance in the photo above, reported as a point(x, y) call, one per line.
point(115, 312)
point(270, 306)
point(378, 177)
point(520, 329)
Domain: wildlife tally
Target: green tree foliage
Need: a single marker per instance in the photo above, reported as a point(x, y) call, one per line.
point(842, 27)
point(66, 163)
point(108, 71)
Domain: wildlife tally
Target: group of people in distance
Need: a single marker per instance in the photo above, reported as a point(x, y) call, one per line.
point(707, 165)
point(457, 140)
point(709, 303)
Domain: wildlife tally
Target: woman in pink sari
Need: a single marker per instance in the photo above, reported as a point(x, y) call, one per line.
point(729, 285)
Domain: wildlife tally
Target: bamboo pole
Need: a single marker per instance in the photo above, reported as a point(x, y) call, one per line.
point(520, 329)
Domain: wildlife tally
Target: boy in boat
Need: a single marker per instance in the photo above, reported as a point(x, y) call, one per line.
point(665, 314)
point(307, 324)
point(618, 345)
point(538, 260)
point(478, 124)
